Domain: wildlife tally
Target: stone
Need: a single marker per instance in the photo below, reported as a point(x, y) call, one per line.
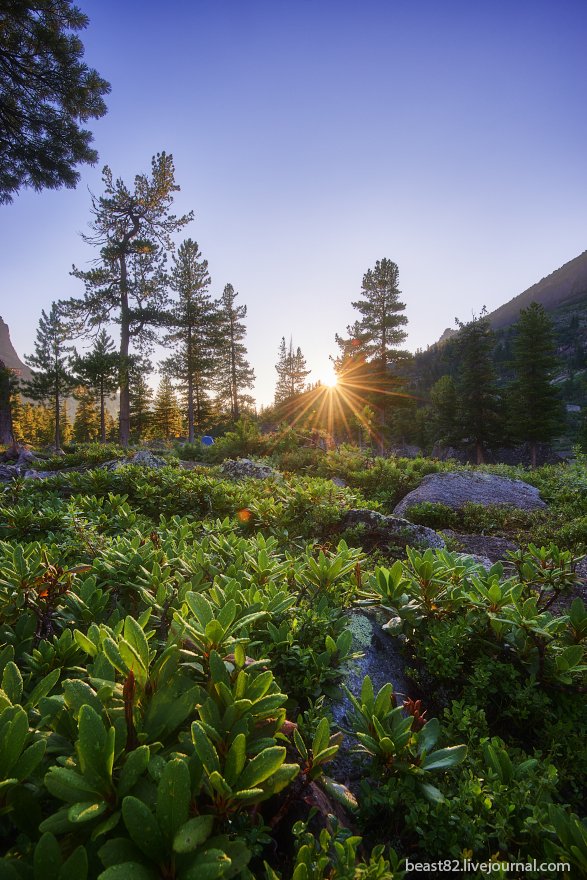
point(384, 530)
point(383, 661)
point(457, 489)
point(483, 546)
point(143, 457)
point(244, 468)
point(338, 482)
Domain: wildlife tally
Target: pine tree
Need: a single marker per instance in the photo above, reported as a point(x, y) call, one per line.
point(98, 371)
point(133, 229)
point(479, 398)
point(46, 91)
point(536, 412)
point(141, 398)
point(291, 372)
point(233, 371)
point(51, 377)
point(193, 322)
point(166, 419)
point(444, 401)
point(370, 355)
point(380, 331)
point(87, 424)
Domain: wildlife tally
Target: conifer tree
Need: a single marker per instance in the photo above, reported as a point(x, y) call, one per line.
point(87, 425)
point(98, 371)
point(379, 332)
point(166, 419)
point(133, 229)
point(141, 398)
point(291, 372)
point(46, 91)
point(51, 377)
point(479, 398)
point(444, 401)
point(233, 372)
point(536, 412)
point(193, 327)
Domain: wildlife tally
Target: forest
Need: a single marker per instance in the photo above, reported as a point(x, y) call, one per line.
point(341, 637)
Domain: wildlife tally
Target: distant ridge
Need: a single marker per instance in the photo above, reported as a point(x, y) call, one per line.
point(561, 287)
point(9, 355)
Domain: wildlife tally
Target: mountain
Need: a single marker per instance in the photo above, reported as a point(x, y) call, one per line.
point(9, 355)
point(563, 287)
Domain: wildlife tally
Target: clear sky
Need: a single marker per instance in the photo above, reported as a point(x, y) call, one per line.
point(312, 138)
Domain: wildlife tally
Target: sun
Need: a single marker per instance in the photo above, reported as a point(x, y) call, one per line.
point(330, 381)
point(329, 378)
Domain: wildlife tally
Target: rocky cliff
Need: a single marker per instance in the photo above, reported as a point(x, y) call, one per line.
point(9, 355)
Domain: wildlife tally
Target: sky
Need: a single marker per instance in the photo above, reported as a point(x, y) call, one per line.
point(313, 138)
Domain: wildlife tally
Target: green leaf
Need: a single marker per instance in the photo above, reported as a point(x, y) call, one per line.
point(204, 748)
point(428, 735)
point(12, 682)
point(235, 759)
point(135, 765)
point(85, 643)
point(129, 871)
point(86, 811)
point(444, 758)
point(321, 737)
point(14, 734)
point(42, 688)
point(135, 636)
point(76, 866)
point(340, 793)
point(78, 693)
point(193, 833)
point(173, 798)
point(47, 858)
point(431, 793)
point(300, 744)
point(208, 865)
point(29, 759)
point(143, 828)
point(214, 632)
point(92, 745)
point(261, 767)
point(67, 785)
point(220, 785)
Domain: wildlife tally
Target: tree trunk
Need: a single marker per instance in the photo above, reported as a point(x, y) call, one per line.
point(102, 414)
point(56, 403)
point(479, 452)
point(191, 432)
point(124, 417)
point(234, 389)
point(533, 453)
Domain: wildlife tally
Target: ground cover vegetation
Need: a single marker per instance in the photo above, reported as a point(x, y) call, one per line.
point(174, 642)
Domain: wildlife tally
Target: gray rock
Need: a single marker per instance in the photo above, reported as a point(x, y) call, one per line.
point(244, 468)
point(406, 450)
point(338, 482)
point(483, 546)
point(391, 530)
point(143, 457)
point(445, 453)
point(382, 661)
point(456, 489)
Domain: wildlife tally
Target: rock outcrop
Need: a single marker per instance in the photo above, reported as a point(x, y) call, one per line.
point(244, 468)
point(391, 531)
point(457, 489)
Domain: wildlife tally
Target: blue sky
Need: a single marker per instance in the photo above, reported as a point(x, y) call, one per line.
point(313, 138)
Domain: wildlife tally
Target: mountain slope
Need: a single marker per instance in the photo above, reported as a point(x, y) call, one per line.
point(9, 355)
point(560, 288)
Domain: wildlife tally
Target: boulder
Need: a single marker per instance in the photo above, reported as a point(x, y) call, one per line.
point(244, 468)
point(143, 457)
point(457, 489)
point(384, 530)
point(482, 546)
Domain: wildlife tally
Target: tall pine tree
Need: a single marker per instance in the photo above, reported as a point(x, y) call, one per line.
point(132, 227)
point(479, 398)
point(141, 398)
point(233, 372)
point(193, 325)
point(52, 379)
point(536, 411)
